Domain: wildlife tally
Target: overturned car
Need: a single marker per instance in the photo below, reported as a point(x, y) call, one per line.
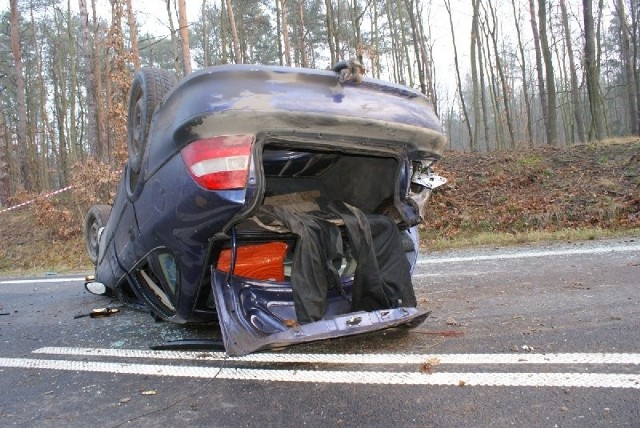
point(280, 203)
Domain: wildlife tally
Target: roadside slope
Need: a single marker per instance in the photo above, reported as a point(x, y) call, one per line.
point(592, 186)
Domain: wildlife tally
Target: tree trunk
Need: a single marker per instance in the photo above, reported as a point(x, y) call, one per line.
point(279, 31)
point(416, 45)
point(427, 61)
point(404, 46)
point(234, 33)
point(503, 81)
point(635, 41)
point(627, 60)
point(5, 174)
point(455, 60)
point(95, 145)
point(375, 34)
point(223, 34)
point(133, 36)
point(336, 32)
point(174, 41)
point(206, 62)
point(59, 68)
point(184, 36)
point(536, 45)
point(356, 18)
point(304, 61)
point(285, 33)
point(575, 94)
point(523, 70)
point(493, 85)
point(330, 32)
point(592, 74)
point(483, 96)
point(75, 146)
point(552, 128)
point(477, 115)
point(108, 96)
point(59, 103)
point(96, 66)
point(21, 110)
point(120, 78)
point(47, 146)
point(397, 64)
point(566, 115)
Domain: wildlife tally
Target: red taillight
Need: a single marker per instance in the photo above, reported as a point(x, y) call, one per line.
point(219, 163)
point(257, 261)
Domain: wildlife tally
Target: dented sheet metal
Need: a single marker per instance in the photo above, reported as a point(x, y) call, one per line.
point(244, 334)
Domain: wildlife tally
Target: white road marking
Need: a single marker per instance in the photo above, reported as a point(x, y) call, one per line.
point(455, 272)
point(41, 280)
point(585, 380)
point(528, 254)
point(398, 359)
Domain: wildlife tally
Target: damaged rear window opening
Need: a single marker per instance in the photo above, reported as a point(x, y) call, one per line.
point(280, 204)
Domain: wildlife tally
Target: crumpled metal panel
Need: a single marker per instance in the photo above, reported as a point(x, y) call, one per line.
point(240, 337)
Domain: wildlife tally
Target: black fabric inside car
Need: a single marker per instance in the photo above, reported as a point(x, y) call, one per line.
point(319, 244)
point(382, 278)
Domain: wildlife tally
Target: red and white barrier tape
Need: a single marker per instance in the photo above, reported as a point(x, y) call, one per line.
point(48, 195)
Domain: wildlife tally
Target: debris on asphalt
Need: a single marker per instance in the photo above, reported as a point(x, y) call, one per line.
point(453, 322)
point(99, 313)
point(443, 333)
point(427, 366)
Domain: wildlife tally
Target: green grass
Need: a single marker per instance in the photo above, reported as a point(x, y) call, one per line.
point(530, 160)
point(507, 239)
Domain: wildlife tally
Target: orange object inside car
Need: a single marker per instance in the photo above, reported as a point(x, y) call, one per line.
point(257, 261)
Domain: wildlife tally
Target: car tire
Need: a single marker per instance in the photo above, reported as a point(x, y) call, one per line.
point(95, 219)
point(148, 88)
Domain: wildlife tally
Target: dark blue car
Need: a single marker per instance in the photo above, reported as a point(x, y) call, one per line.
point(279, 203)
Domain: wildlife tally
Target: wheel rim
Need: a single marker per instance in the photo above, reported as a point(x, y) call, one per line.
point(93, 236)
point(136, 138)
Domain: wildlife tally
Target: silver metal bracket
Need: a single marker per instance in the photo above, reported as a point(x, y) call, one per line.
point(428, 179)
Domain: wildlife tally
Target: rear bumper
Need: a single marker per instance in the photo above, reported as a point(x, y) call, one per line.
point(241, 337)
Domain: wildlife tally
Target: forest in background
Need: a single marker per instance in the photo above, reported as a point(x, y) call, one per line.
point(528, 73)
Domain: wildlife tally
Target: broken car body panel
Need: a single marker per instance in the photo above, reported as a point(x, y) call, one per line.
point(191, 236)
point(247, 326)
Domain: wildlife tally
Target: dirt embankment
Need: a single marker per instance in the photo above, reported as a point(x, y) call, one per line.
point(585, 186)
point(549, 189)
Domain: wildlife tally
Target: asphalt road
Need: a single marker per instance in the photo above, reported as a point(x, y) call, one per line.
point(534, 336)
